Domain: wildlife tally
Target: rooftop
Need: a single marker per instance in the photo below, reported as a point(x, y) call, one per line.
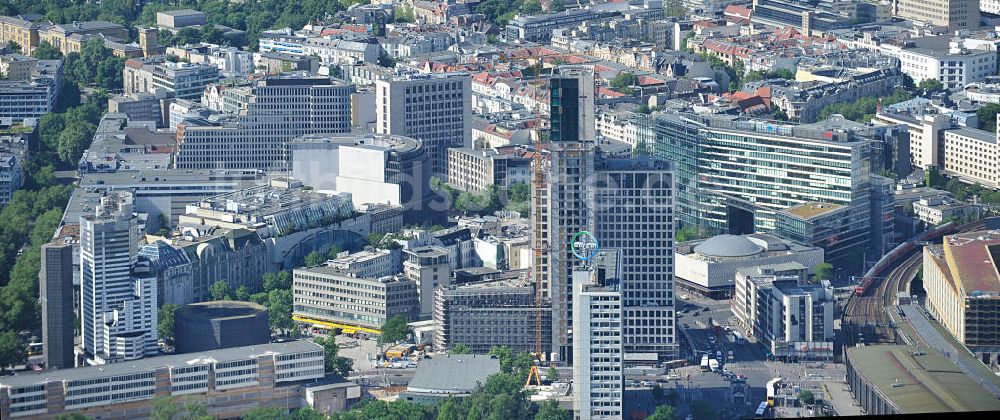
point(920, 380)
point(453, 374)
point(973, 258)
point(728, 246)
point(813, 209)
point(151, 363)
point(220, 309)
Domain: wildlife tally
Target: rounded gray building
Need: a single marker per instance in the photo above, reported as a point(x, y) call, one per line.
point(220, 324)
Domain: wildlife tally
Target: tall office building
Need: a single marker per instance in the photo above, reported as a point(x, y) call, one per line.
point(433, 108)
point(261, 119)
point(770, 168)
point(951, 14)
point(598, 372)
point(56, 296)
point(634, 214)
point(118, 312)
point(562, 205)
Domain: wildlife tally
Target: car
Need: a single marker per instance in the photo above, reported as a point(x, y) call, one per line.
point(728, 328)
point(648, 383)
point(685, 297)
point(632, 383)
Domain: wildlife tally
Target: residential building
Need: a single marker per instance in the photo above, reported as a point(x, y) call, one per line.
point(833, 163)
point(332, 298)
point(963, 288)
point(427, 266)
point(373, 168)
point(176, 19)
point(449, 376)
point(433, 108)
point(339, 51)
point(708, 266)
point(476, 170)
point(490, 313)
point(539, 28)
point(793, 319)
point(17, 67)
point(261, 119)
point(943, 58)
point(933, 384)
point(598, 341)
point(228, 383)
point(185, 80)
point(13, 152)
point(951, 14)
point(118, 311)
point(937, 210)
point(56, 298)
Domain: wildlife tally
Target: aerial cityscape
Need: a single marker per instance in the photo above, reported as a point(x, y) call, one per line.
point(499, 209)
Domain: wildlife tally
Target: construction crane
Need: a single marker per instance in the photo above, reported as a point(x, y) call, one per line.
point(538, 246)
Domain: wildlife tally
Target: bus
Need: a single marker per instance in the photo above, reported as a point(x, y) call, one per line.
point(34, 349)
point(704, 363)
point(738, 338)
point(761, 410)
point(772, 386)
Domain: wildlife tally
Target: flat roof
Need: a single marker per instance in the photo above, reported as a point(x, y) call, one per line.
point(972, 259)
point(456, 373)
point(812, 209)
point(151, 363)
point(983, 136)
point(923, 383)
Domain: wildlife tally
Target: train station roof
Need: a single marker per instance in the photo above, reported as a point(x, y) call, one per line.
point(917, 380)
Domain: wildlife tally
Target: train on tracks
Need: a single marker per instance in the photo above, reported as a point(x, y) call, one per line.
point(900, 253)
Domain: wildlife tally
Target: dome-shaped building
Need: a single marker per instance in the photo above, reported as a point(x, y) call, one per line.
point(728, 247)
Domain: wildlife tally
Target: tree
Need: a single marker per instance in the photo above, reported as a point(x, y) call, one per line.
point(164, 408)
point(12, 350)
point(279, 309)
point(74, 139)
point(807, 397)
point(550, 410)
point(404, 14)
point(557, 6)
point(932, 177)
point(334, 362)
point(931, 85)
point(520, 192)
point(553, 374)
point(674, 8)
point(334, 250)
point(531, 7)
point(663, 412)
point(242, 293)
point(394, 330)
point(259, 298)
point(314, 259)
point(687, 233)
point(14, 47)
point(219, 290)
point(277, 281)
point(987, 116)
point(624, 81)
point(823, 271)
point(460, 349)
point(522, 364)
point(165, 321)
point(45, 51)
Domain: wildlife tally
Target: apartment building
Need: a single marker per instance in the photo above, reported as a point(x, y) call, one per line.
point(476, 170)
point(13, 152)
point(185, 80)
point(963, 290)
point(951, 14)
point(331, 297)
point(433, 108)
point(427, 266)
point(261, 119)
point(17, 66)
point(228, 382)
point(793, 319)
point(943, 58)
point(598, 367)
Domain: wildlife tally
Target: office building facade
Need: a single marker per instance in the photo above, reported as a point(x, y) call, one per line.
point(487, 314)
point(598, 370)
point(348, 301)
point(433, 108)
point(184, 80)
point(951, 14)
point(260, 121)
point(56, 297)
point(428, 268)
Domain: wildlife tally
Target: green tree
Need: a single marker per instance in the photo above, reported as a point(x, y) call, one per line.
point(674, 8)
point(259, 298)
point(687, 233)
point(164, 408)
point(12, 350)
point(404, 14)
point(520, 192)
point(334, 250)
point(219, 290)
point(523, 363)
point(165, 321)
point(987, 116)
point(823, 271)
point(72, 416)
point(931, 85)
point(807, 397)
point(242, 293)
point(663, 412)
point(14, 47)
point(74, 139)
point(624, 82)
point(531, 7)
point(45, 51)
point(394, 330)
point(334, 362)
point(550, 410)
point(460, 349)
point(557, 6)
point(932, 177)
point(279, 309)
point(506, 357)
point(315, 259)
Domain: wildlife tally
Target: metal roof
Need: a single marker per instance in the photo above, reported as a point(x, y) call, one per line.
point(453, 374)
point(728, 246)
